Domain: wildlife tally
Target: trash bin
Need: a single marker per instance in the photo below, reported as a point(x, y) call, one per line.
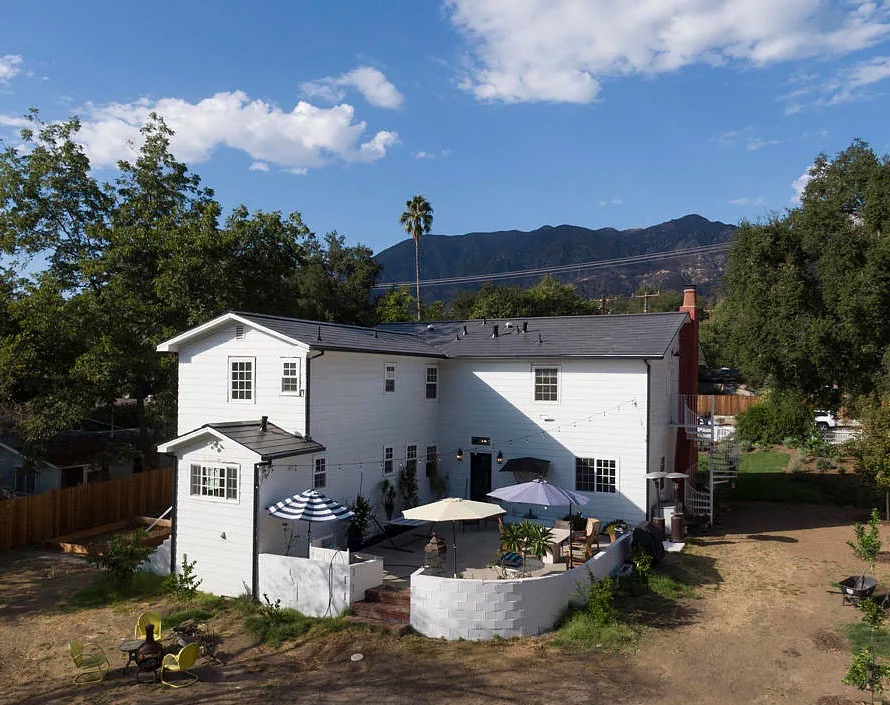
point(658, 527)
point(678, 528)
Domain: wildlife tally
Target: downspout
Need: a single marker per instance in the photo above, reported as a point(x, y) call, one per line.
point(648, 428)
point(175, 512)
point(308, 434)
point(255, 579)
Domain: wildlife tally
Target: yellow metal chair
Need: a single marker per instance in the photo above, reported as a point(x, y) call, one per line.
point(90, 660)
point(178, 663)
point(147, 618)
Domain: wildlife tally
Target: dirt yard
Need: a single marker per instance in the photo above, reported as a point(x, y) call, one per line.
point(765, 627)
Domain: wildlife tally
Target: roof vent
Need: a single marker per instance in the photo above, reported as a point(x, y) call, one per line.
point(264, 423)
point(540, 338)
point(494, 332)
point(430, 326)
point(525, 326)
point(508, 324)
point(318, 333)
point(464, 331)
point(483, 320)
point(239, 332)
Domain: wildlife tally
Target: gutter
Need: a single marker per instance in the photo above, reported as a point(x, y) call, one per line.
point(308, 434)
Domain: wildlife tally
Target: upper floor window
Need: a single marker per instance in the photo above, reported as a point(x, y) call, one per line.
point(241, 381)
point(219, 481)
point(320, 476)
point(596, 475)
point(432, 382)
point(389, 377)
point(546, 384)
point(290, 376)
point(387, 460)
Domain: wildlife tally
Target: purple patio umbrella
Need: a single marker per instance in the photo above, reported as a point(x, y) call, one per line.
point(541, 493)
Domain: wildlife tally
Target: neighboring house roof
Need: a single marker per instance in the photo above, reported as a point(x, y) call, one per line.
point(625, 336)
point(315, 335)
point(270, 444)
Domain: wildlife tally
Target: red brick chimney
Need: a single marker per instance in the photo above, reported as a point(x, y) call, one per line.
point(686, 455)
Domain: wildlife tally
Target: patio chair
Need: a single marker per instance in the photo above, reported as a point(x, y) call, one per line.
point(90, 660)
point(178, 663)
point(581, 549)
point(147, 618)
point(510, 560)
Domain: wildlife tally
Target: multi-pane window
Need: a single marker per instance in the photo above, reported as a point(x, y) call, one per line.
point(432, 382)
point(546, 384)
point(596, 475)
point(320, 476)
point(387, 460)
point(389, 377)
point(411, 458)
point(241, 378)
point(219, 481)
point(290, 377)
point(25, 481)
point(432, 460)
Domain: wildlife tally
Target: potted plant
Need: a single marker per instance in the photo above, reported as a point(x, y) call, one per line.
point(866, 545)
point(615, 528)
point(527, 539)
point(355, 532)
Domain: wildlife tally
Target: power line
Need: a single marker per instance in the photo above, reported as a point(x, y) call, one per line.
point(559, 269)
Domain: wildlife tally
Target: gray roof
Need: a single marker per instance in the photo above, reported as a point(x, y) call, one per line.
point(624, 336)
point(339, 336)
point(271, 444)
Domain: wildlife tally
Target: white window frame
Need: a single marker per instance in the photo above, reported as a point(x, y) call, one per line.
point(415, 459)
point(319, 470)
point(601, 472)
point(431, 385)
point(232, 361)
point(432, 458)
point(558, 392)
point(389, 457)
point(389, 375)
point(288, 378)
point(215, 481)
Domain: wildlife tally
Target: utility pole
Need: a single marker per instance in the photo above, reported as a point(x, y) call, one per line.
point(646, 296)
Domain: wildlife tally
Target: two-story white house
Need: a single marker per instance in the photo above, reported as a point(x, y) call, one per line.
point(270, 406)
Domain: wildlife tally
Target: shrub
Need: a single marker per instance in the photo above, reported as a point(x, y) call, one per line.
point(183, 585)
point(746, 446)
point(823, 464)
point(774, 420)
point(122, 558)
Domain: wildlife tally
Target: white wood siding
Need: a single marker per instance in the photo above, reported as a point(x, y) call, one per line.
point(354, 419)
point(224, 564)
point(204, 381)
point(601, 413)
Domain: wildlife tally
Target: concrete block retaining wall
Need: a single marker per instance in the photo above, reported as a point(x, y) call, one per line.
point(454, 608)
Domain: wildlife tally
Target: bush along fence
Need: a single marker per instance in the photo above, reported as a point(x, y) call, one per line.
point(25, 521)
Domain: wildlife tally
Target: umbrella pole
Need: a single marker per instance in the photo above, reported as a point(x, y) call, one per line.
point(309, 540)
point(454, 548)
point(571, 535)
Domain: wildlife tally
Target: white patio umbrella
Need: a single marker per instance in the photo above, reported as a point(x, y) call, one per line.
point(454, 509)
point(541, 493)
point(310, 505)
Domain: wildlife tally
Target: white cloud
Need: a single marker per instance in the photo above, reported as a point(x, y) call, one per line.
point(745, 201)
point(849, 84)
point(799, 184)
point(303, 138)
point(368, 81)
point(424, 155)
point(746, 137)
point(561, 50)
point(10, 66)
point(259, 166)
point(612, 202)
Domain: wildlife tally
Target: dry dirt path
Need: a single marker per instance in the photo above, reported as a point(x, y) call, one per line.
point(765, 628)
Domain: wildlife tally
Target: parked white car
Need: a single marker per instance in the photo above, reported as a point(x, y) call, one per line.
point(825, 419)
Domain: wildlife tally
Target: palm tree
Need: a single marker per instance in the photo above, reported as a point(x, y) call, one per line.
point(417, 219)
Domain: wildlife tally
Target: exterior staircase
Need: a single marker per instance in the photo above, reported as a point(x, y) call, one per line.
point(384, 606)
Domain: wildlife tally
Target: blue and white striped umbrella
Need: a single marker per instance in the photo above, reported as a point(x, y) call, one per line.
point(310, 505)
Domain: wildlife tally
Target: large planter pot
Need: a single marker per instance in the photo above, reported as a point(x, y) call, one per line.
point(857, 587)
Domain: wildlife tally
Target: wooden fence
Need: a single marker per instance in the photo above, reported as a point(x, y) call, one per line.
point(723, 404)
point(25, 521)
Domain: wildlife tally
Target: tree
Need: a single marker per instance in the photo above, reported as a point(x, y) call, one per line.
point(417, 220)
point(805, 292)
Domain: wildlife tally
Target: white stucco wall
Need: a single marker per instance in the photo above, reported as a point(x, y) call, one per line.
point(454, 608)
point(323, 586)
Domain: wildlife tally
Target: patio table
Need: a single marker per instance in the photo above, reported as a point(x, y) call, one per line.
point(130, 647)
point(557, 541)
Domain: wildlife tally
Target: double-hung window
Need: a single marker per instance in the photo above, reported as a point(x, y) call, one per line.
point(241, 379)
point(432, 460)
point(389, 377)
point(411, 458)
point(320, 476)
point(214, 480)
point(290, 375)
point(546, 383)
point(387, 460)
point(596, 475)
point(432, 382)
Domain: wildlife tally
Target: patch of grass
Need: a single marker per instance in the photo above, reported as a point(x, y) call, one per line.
point(581, 630)
point(105, 592)
point(763, 462)
point(668, 587)
point(861, 636)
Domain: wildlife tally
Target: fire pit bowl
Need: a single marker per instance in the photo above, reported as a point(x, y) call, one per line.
point(857, 587)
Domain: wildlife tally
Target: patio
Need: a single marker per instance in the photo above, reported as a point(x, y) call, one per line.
point(477, 548)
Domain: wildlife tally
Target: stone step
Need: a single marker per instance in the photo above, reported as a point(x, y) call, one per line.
point(382, 614)
point(389, 595)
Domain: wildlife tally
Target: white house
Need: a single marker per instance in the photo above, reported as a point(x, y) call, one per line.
point(270, 406)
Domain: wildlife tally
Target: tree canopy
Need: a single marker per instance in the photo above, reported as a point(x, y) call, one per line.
point(806, 293)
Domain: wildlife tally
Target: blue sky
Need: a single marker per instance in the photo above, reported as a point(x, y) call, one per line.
point(503, 113)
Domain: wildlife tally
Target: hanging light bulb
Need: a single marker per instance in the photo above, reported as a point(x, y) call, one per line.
point(460, 455)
